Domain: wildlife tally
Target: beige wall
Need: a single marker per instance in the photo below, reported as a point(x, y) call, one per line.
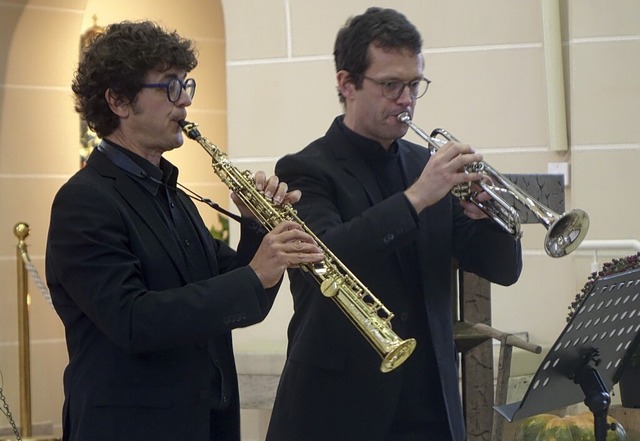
point(487, 63)
point(486, 60)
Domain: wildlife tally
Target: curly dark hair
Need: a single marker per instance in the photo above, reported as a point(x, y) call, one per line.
point(118, 59)
point(386, 28)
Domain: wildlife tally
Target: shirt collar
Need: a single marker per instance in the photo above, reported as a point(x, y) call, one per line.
point(143, 171)
point(370, 150)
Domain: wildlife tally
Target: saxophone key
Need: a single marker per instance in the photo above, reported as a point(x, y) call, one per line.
point(329, 288)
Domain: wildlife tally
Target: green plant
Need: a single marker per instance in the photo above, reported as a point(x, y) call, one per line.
point(614, 267)
point(221, 230)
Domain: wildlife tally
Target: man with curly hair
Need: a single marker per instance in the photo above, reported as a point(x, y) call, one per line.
point(148, 298)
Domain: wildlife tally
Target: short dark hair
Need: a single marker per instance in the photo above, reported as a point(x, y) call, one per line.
point(386, 28)
point(118, 59)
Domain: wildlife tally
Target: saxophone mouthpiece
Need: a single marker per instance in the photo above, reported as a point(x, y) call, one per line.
point(190, 128)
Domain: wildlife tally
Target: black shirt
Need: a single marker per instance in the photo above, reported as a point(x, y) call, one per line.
point(420, 371)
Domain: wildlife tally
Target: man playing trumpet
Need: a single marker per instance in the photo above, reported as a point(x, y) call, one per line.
point(384, 206)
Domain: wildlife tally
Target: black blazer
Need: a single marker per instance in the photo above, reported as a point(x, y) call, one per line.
point(331, 387)
point(148, 340)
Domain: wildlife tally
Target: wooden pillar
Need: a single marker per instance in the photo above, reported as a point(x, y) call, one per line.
point(477, 357)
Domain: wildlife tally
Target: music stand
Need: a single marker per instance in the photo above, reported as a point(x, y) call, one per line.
point(588, 357)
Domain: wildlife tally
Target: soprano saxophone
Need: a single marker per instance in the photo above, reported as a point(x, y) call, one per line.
point(365, 311)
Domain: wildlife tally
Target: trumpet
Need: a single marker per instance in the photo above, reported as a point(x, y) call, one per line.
point(565, 232)
point(365, 311)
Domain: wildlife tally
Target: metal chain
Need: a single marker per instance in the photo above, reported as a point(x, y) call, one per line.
point(7, 413)
point(42, 287)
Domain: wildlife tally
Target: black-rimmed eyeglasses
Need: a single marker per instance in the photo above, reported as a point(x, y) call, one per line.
point(393, 89)
point(175, 86)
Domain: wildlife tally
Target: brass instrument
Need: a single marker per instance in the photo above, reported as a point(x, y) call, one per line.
point(366, 312)
point(564, 232)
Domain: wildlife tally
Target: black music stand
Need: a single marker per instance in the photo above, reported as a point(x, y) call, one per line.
point(590, 354)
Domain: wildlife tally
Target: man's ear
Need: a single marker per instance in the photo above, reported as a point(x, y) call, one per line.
point(117, 104)
point(346, 86)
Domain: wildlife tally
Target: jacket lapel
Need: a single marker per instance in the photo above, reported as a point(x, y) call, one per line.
point(352, 162)
point(205, 235)
point(142, 205)
point(411, 163)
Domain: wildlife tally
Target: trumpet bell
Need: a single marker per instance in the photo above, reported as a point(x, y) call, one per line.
point(566, 233)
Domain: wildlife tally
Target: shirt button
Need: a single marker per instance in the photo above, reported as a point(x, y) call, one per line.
point(404, 316)
point(187, 243)
point(172, 205)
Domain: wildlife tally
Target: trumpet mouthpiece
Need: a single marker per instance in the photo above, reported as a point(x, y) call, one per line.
point(404, 117)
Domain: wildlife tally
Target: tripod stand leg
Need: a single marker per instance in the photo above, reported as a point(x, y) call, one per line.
point(502, 386)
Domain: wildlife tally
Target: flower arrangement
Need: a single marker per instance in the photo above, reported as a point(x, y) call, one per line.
point(614, 267)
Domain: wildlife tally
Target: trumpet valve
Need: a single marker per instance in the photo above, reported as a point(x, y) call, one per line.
point(462, 191)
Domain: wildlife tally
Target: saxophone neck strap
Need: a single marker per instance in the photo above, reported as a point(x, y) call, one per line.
point(125, 163)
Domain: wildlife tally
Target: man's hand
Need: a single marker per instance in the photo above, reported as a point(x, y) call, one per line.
point(272, 189)
point(286, 246)
point(444, 170)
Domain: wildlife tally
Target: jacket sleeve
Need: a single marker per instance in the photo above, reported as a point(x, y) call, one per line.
point(339, 212)
point(107, 268)
point(484, 248)
point(338, 209)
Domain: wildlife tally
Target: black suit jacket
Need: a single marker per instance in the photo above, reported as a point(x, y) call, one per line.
point(331, 386)
point(149, 341)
